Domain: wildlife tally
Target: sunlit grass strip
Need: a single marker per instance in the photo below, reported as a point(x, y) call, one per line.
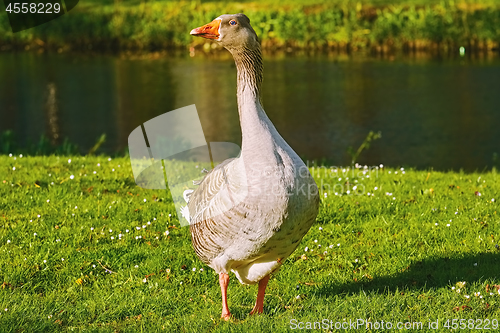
point(82, 247)
point(299, 24)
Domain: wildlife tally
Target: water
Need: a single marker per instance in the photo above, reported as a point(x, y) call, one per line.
point(440, 113)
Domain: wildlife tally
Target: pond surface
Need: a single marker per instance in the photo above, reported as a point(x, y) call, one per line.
point(440, 113)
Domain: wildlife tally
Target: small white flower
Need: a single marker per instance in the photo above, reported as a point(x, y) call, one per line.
point(45, 261)
point(144, 226)
point(14, 168)
point(331, 246)
point(95, 172)
point(48, 201)
point(467, 296)
point(93, 266)
point(338, 244)
point(138, 228)
point(8, 241)
point(492, 200)
point(126, 230)
point(113, 170)
point(315, 241)
point(348, 191)
point(393, 198)
point(144, 280)
point(320, 228)
point(98, 164)
point(475, 264)
point(62, 259)
point(69, 161)
point(452, 288)
point(325, 253)
point(369, 194)
point(194, 269)
point(10, 155)
point(58, 240)
point(381, 165)
point(76, 207)
point(356, 260)
point(136, 237)
point(35, 234)
point(109, 159)
point(149, 222)
point(201, 269)
point(436, 223)
point(112, 237)
point(145, 200)
point(110, 230)
point(91, 228)
point(448, 225)
point(136, 266)
point(306, 249)
point(71, 177)
point(297, 297)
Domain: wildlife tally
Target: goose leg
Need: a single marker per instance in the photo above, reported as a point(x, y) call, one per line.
point(259, 304)
point(224, 281)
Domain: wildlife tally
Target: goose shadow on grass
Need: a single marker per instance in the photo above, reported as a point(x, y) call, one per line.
point(426, 274)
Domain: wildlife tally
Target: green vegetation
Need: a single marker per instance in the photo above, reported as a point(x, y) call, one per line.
point(423, 246)
point(378, 24)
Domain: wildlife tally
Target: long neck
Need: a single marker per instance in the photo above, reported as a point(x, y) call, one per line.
point(250, 68)
point(256, 128)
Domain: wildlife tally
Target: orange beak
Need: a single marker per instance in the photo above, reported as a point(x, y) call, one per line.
point(210, 30)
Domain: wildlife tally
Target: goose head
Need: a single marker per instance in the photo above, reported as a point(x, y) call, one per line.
point(232, 31)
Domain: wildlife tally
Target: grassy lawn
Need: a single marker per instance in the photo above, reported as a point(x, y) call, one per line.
point(421, 247)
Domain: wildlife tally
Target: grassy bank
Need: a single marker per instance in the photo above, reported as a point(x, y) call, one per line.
point(422, 246)
point(381, 25)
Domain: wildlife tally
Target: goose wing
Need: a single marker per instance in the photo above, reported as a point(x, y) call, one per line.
point(217, 211)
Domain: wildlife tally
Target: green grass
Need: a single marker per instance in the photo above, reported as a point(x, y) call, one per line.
point(388, 257)
point(346, 24)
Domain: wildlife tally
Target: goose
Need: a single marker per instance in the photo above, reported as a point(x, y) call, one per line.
point(248, 214)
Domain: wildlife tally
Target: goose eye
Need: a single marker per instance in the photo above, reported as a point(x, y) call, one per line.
point(232, 22)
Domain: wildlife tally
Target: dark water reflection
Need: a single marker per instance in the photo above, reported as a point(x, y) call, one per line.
point(431, 112)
